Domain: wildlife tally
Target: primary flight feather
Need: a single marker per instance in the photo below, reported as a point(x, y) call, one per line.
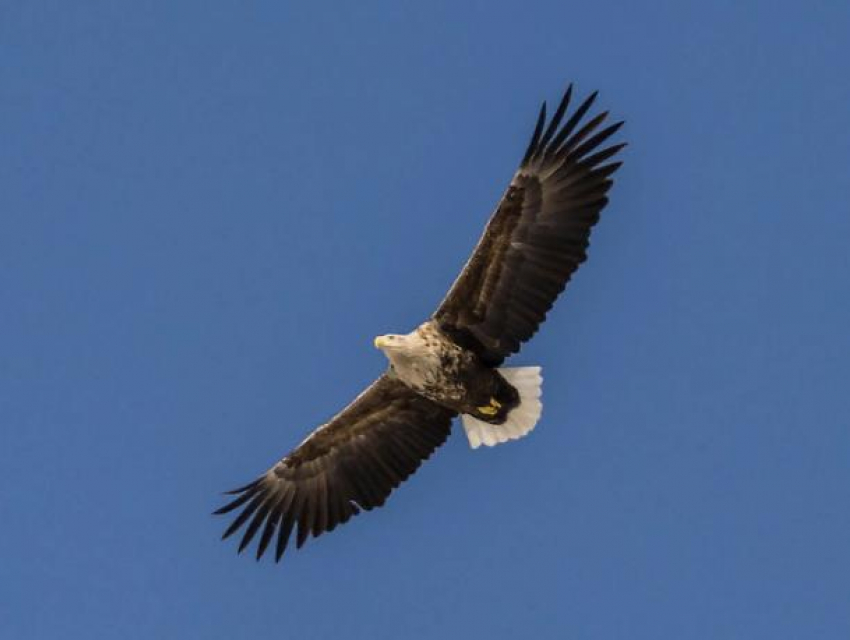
point(450, 365)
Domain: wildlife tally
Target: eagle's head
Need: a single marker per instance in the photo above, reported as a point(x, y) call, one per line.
point(391, 342)
point(399, 347)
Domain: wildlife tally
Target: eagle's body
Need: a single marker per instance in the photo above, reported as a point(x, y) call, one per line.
point(451, 364)
point(431, 364)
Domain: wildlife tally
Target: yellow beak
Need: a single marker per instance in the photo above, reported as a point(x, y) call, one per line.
point(380, 342)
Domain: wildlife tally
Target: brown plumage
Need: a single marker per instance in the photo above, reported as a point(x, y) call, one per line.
point(531, 246)
point(536, 239)
point(353, 462)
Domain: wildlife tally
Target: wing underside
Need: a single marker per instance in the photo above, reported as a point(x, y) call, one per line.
point(537, 237)
point(351, 463)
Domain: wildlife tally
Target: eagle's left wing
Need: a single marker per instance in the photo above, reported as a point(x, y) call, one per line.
point(353, 462)
point(537, 237)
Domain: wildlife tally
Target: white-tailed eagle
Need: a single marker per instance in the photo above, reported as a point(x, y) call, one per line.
point(451, 364)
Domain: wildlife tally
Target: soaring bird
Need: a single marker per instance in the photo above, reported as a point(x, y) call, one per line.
point(450, 365)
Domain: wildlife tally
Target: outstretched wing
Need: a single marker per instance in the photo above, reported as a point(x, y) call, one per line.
point(353, 462)
point(537, 237)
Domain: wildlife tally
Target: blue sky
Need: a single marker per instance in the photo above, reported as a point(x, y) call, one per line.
point(207, 211)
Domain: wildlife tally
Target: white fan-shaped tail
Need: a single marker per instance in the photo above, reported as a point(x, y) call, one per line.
point(521, 420)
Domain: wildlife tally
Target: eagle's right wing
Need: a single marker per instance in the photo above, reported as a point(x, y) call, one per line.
point(352, 462)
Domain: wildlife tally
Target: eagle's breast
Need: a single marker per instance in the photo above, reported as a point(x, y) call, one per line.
point(434, 366)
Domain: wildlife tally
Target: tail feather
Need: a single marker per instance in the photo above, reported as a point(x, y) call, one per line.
point(521, 420)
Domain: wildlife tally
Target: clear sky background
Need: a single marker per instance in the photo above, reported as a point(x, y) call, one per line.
point(208, 210)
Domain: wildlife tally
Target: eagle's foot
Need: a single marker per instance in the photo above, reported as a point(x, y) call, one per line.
point(490, 409)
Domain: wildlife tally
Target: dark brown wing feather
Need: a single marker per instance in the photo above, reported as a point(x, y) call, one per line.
point(537, 237)
point(353, 462)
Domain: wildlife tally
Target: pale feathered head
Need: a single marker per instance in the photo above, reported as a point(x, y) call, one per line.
point(396, 346)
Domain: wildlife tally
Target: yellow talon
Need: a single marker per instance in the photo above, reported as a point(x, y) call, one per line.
point(492, 408)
